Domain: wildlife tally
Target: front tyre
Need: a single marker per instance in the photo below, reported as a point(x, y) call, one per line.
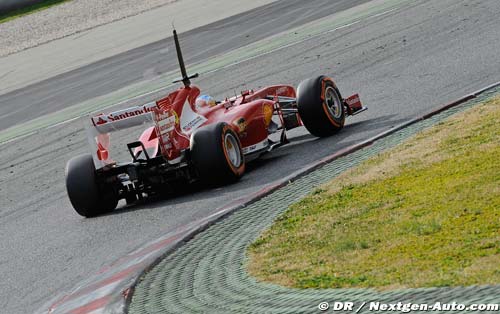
point(217, 154)
point(87, 198)
point(321, 107)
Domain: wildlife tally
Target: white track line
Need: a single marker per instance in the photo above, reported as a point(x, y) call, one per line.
point(212, 71)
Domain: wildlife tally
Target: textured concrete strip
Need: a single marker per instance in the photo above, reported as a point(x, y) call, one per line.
point(77, 50)
point(111, 289)
point(208, 274)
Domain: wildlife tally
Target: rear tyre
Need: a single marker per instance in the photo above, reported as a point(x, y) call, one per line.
point(217, 154)
point(83, 191)
point(320, 106)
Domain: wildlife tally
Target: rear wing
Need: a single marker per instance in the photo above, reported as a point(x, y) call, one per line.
point(98, 128)
point(122, 119)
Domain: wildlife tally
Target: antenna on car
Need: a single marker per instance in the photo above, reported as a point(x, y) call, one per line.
point(185, 78)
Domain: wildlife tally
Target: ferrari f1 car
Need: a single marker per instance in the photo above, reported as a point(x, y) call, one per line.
point(195, 138)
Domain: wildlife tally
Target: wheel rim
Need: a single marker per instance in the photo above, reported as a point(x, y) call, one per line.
point(232, 150)
point(333, 102)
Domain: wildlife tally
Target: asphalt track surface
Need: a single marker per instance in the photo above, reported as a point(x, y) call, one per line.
point(403, 63)
point(136, 65)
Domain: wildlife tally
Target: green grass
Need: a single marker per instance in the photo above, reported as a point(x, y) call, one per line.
point(425, 214)
point(42, 5)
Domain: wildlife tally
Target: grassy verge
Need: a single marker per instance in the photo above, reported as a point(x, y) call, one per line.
point(42, 5)
point(424, 214)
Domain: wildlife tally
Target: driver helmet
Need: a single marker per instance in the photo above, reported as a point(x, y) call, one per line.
point(205, 101)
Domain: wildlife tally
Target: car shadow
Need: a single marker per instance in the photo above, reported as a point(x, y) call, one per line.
point(263, 160)
point(174, 197)
point(375, 123)
point(268, 163)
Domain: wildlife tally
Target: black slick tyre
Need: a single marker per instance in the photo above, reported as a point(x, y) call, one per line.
point(321, 107)
point(83, 191)
point(217, 154)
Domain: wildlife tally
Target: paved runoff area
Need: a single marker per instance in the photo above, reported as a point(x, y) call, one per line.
point(95, 38)
point(207, 274)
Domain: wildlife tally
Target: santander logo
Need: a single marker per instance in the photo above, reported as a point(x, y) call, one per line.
point(100, 121)
point(123, 114)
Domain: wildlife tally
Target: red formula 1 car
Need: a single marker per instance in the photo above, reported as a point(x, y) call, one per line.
point(195, 138)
